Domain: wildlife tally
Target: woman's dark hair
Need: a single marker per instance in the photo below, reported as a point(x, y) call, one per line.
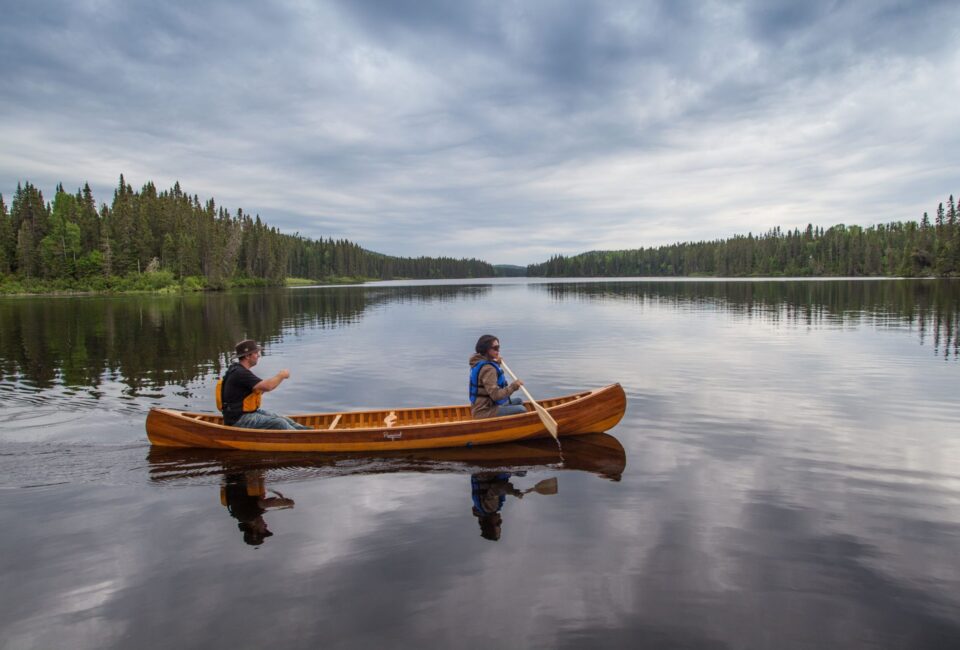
point(484, 343)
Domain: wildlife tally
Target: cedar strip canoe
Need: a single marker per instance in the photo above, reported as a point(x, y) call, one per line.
point(592, 411)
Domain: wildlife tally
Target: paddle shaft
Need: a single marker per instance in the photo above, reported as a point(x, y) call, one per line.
point(523, 388)
point(547, 419)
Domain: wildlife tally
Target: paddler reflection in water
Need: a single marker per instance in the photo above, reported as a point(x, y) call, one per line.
point(240, 391)
point(246, 500)
point(489, 491)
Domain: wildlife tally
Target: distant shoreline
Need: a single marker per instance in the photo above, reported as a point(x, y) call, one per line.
point(159, 283)
point(37, 289)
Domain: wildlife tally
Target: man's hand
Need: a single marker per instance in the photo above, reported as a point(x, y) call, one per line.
point(268, 385)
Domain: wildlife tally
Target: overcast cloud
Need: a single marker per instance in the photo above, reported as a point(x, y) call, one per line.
point(505, 130)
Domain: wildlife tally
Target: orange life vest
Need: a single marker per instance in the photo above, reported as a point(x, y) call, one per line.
point(250, 403)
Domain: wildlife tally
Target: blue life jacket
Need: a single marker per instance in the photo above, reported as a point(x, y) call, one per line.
point(475, 381)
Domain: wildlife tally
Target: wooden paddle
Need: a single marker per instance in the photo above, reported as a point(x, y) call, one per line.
point(545, 417)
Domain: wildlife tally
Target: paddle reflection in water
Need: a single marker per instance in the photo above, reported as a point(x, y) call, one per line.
point(243, 475)
point(245, 496)
point(489, 491)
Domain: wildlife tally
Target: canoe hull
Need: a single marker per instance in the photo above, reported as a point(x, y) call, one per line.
point(593, 411)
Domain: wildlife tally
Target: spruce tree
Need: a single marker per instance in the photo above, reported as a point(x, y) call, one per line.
point(106, 248)
point(7, 246)
point(88, 220)
point(29, 221)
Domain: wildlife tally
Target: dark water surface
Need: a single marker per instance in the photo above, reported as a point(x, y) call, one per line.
point(787, 474)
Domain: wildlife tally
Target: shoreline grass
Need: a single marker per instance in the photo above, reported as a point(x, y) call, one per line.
point(333, 279)
point(157, 282)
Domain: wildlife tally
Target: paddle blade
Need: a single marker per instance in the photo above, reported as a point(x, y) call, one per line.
point(547, 420)
point(546, 486)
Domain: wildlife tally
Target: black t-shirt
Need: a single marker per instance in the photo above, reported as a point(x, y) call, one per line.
point(238, 384)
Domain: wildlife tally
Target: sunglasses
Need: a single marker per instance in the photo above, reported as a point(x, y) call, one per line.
point(495, 347)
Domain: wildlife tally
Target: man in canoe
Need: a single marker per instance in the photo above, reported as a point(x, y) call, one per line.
point(490, 394)
point(239, 393)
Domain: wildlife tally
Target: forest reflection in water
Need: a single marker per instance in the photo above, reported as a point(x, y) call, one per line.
point(931, 307)
point(148, 342)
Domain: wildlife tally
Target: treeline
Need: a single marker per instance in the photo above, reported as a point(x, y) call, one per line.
point(908, 249)
point(170, 232)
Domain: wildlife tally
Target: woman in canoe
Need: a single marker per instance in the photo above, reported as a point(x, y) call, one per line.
point(490, 394)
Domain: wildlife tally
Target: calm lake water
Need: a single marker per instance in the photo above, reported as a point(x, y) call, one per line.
point(787, 474)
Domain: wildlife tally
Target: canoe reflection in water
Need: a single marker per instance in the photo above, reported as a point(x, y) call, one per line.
point(242, 475)
point(244, 495)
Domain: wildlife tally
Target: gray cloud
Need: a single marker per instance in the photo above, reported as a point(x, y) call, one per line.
point(504, 130)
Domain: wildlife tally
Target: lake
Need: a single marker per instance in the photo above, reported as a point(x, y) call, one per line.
point(787, 474)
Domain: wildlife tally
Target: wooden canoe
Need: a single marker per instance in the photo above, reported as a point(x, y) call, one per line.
point(592, 411)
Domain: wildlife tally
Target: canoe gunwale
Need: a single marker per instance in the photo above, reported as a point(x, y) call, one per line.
point(195, 417)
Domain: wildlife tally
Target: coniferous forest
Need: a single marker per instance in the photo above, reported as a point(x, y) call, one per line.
point(151, 239)
point(909, 249)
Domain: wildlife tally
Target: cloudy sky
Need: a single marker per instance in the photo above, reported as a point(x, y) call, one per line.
point(503, 129)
